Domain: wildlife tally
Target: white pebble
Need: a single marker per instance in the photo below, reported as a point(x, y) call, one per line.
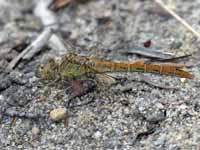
point(183, 80)
point(97, 135)
point(58, 114)
point(35, 131)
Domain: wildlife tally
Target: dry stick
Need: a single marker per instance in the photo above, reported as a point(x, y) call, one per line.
point(182, 21)
point(32, 49)
point(13, 63)
point(49, 19)
point(40, 42)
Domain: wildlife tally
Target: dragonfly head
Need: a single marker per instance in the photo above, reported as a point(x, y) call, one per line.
point(49, 70)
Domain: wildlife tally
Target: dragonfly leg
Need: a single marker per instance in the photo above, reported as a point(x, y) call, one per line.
point(79, 88)
point(78, 105)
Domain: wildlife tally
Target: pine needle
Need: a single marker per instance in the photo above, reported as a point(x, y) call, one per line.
point(178, 18)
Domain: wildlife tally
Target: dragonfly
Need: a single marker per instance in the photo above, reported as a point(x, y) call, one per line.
point(73, 65)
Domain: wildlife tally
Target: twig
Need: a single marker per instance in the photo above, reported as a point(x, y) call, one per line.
point(31, 49)
point(177, 17)
point(47, 17)
point(49, 20)
point(56, 43)
point(37, 45)
point(57, 4)
point(13, 63)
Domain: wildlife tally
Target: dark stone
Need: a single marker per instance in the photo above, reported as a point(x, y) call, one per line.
point(18, 96)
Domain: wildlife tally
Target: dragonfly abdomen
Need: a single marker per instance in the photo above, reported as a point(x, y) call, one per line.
point(141, 66)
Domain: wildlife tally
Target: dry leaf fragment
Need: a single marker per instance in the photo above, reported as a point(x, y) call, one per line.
point(57, 4)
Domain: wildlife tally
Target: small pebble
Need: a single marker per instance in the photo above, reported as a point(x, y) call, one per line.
point(97, 135)
point(1, 98)
point(58, 114)
point(183, 80)
point(35, 131)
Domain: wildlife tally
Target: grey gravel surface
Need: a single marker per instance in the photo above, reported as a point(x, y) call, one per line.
point(125, 116)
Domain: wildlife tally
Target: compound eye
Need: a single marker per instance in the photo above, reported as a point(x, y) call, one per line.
point(40, 70)
point(41, 67)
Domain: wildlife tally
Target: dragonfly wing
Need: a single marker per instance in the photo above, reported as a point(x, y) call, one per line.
point(155, 55)
point(106, 79)
point(147, 52)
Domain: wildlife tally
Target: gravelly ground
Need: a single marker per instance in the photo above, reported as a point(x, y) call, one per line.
point(125, 116)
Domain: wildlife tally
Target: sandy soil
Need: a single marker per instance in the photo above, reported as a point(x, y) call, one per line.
point(129, 115)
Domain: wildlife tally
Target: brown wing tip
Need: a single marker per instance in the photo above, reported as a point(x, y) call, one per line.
point(185, 74)
point(190, 76)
